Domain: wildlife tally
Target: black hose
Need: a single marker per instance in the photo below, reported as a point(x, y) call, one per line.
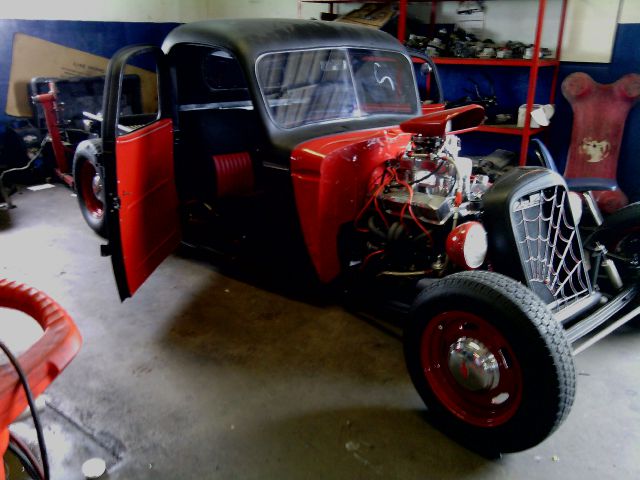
point(24, 460)
point(419, 237)
point(372, 226)
point(433, 172)
point(397, 233)
point(392, 230)
point(32, 407)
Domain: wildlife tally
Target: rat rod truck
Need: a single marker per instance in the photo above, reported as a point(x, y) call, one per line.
point(508, 276)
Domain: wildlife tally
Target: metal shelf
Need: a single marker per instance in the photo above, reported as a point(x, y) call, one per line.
point(508, 129)
point(533, 64)
point(501, 62)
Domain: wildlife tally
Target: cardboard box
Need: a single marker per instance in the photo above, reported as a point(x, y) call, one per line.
point(373, 15)
point(34, 57)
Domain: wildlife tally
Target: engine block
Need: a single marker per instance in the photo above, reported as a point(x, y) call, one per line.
point(434, 209)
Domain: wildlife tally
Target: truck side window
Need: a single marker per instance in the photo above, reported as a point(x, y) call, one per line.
point(222, 72)
point(428, 86)
point(139, 100)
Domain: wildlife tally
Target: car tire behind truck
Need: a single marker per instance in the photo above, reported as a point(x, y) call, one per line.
point(89, 185)
point(491, 364)
point(620, 233)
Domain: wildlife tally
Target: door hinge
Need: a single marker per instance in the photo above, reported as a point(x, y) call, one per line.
point(115, 203)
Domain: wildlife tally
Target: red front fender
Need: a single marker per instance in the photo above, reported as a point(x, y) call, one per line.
point(331, 180)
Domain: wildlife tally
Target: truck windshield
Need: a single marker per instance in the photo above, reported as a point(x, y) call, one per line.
point(313, 86)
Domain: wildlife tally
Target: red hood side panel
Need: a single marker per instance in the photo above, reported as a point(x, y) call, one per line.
point(331, 178)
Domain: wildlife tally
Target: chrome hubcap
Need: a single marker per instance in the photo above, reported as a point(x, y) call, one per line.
point(96, 184)
point(473, 365)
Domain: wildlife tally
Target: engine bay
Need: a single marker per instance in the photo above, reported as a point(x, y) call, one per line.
point(421, 208)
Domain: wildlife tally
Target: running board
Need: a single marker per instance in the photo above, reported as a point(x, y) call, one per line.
point(602, 316)
point(572, 311)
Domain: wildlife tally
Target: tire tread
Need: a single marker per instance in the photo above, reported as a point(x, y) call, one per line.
point(512, 295)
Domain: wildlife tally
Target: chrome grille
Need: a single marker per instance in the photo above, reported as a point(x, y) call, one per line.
point(549, 247)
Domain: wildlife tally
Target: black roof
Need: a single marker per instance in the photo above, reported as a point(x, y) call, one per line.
point(249, 38)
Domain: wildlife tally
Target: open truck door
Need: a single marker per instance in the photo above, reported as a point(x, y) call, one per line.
point(138, 160)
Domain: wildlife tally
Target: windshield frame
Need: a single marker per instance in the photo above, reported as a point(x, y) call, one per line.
point(362, 115)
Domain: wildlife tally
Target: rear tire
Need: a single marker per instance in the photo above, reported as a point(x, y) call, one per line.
point(89, 185)
point(491, 364)
point(618, 227)
point(620, 234)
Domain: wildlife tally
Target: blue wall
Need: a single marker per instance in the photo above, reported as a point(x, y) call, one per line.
point(99, 38)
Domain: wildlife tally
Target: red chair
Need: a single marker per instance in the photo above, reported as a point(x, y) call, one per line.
point(599, 114)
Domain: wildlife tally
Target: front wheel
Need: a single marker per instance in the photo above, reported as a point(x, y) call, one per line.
point(491, 364)
point(89, 185)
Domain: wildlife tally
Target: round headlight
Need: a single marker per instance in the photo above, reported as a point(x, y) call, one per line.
point(467, 245)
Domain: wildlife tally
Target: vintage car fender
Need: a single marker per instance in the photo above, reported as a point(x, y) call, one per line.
point(331, 177)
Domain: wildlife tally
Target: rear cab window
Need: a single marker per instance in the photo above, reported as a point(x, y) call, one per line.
point(209, 78)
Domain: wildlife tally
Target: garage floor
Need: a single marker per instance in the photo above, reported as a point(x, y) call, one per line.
point(204, 376)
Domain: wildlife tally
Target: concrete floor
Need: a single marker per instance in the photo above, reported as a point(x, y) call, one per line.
point(204, 376)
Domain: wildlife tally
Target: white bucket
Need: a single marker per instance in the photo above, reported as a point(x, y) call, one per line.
point(540, 115)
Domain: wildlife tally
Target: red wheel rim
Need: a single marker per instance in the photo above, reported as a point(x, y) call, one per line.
point(86, 189)
point(484, 407)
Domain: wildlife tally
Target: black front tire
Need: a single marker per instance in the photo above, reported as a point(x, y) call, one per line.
point(527, 365)
point(89, 185)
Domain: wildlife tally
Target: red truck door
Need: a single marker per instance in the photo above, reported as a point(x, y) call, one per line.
point(137, 133)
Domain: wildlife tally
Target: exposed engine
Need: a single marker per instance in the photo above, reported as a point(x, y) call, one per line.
point(428, 169)
point(421, 212)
